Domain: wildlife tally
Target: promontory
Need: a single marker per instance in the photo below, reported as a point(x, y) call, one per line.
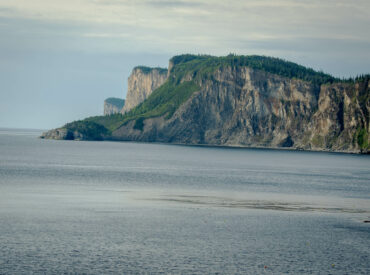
point(246, 101)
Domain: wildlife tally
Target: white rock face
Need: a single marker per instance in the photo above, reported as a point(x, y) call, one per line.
point(141, 83)
point(113, 105)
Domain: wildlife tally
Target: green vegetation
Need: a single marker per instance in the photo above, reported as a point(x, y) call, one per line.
point(116, 102)
point(110, 122)
point(147, 70)
point(90, 130)
point(163, 101)
point(204, 65)
point(362, 138)
point(139, 123)
point(359, 78)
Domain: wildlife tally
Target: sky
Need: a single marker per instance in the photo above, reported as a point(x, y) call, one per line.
point(59, 59)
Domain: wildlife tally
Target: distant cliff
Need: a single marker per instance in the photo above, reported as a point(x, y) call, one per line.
point(250, 101)
point(141, 83)
point(113, 105)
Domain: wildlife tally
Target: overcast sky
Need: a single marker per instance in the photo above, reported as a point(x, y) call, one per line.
point(61, 58)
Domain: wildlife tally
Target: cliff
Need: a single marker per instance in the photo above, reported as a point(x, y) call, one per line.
point(249, 101)
point(113, 105)
point(141, 83)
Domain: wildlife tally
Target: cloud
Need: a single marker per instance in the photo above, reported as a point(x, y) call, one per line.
point(53, 50)
point(168, 26)
point(174, 4)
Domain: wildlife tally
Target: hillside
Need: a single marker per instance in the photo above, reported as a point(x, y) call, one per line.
point(246, 101)
point(141, 83)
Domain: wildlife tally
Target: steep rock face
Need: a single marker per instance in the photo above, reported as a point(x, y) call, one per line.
point(141, 83)
point(342, 119)
point(113, 105)
point(240, 106)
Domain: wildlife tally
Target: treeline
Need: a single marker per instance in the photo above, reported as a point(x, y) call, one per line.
point(147, 70)
point(273, 65)
point(206, 63)
point(115, 101)
point(358, 78)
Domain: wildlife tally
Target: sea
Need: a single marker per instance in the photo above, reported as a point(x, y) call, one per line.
point(85, 207)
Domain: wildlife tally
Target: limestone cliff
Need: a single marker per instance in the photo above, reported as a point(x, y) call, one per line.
point(113, 105)
point(141, 83)
point(249, 101)
point(240, 106)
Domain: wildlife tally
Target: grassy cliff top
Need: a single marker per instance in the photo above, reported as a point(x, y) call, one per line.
point(204, 64)
point(147, 70)
point(115, 101)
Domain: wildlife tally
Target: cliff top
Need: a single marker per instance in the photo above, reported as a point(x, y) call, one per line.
point(204, 64)
point(147, 70)
point(115, 101)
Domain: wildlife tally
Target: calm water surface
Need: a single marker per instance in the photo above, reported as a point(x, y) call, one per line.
point(110, 207)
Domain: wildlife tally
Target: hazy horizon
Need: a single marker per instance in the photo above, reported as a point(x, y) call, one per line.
point(60, 60)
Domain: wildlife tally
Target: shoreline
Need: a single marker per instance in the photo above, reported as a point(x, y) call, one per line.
point(223, 146)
